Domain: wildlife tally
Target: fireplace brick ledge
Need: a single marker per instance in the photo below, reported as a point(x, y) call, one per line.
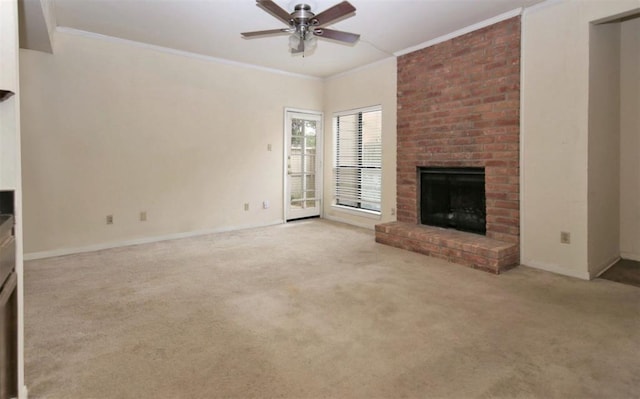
point(472, 250)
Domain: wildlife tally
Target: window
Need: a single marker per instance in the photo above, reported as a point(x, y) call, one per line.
point(358, 158)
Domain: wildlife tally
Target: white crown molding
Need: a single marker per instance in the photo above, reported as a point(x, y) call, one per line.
point(463, 31)
point(359, 69)
point(541, 6)
point(167, 50)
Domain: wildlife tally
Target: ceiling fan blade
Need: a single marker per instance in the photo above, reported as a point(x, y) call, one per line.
point(336, 35)
point(275, 10)
point(333, 13)
point(265, 32)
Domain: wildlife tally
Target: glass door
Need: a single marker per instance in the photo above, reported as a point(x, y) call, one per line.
point(303, 165)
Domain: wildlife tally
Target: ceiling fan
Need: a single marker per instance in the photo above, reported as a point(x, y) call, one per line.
point(305, 26)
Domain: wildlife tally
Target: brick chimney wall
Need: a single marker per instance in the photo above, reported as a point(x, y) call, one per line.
point(459, 106)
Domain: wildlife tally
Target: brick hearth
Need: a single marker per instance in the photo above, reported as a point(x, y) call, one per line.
point(458, 106)
point(473, 250)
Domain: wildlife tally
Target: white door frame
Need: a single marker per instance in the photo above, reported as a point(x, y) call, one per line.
point(319, 159)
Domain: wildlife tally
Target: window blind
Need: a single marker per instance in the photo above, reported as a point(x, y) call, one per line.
point(358, 159)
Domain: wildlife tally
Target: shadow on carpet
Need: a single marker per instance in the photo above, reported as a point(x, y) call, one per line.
point(625, 272)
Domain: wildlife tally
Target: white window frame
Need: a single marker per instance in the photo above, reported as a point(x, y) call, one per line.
point(346, 208)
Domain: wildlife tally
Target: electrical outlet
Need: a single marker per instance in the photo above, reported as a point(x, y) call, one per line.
point(109, 219)
point(143, 216)
point(393, 211)
point(565, 237)
point(268, 147)
point(246, 206)
point(265, 204)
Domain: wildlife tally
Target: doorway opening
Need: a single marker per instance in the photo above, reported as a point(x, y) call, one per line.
point(614, 142)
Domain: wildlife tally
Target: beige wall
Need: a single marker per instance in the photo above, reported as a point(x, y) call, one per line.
point(604, 147)
point(101, 114)
point(630, 140)
point(554, 131)
point(372, 85)
point(114, 128)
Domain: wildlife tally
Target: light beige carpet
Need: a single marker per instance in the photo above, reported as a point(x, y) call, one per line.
point(319, 310)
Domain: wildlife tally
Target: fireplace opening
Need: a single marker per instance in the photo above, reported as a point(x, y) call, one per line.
point(453, 198)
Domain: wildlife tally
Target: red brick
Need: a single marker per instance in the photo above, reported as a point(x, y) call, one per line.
point(463, 248)
point(459, 105)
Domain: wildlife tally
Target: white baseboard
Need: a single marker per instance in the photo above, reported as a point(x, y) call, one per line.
point(137, 241)
point(556, 269)
point(630, 256)
point(606, 267)
point(352, 222)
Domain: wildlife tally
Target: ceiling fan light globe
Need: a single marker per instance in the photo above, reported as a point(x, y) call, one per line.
point(310, 43)
point(294, 41)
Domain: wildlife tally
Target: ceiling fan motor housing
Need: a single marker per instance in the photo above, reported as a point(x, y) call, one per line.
point(302, 18)
point(302, 11)
point(304, 24)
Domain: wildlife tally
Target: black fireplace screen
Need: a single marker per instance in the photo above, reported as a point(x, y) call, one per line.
point(453, 198)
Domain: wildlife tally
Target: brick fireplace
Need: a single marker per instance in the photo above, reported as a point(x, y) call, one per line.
point(458, 107)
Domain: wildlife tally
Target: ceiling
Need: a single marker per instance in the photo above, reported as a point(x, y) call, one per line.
point(212, 27)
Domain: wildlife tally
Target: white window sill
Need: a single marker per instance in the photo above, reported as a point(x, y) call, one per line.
point(357, 212)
